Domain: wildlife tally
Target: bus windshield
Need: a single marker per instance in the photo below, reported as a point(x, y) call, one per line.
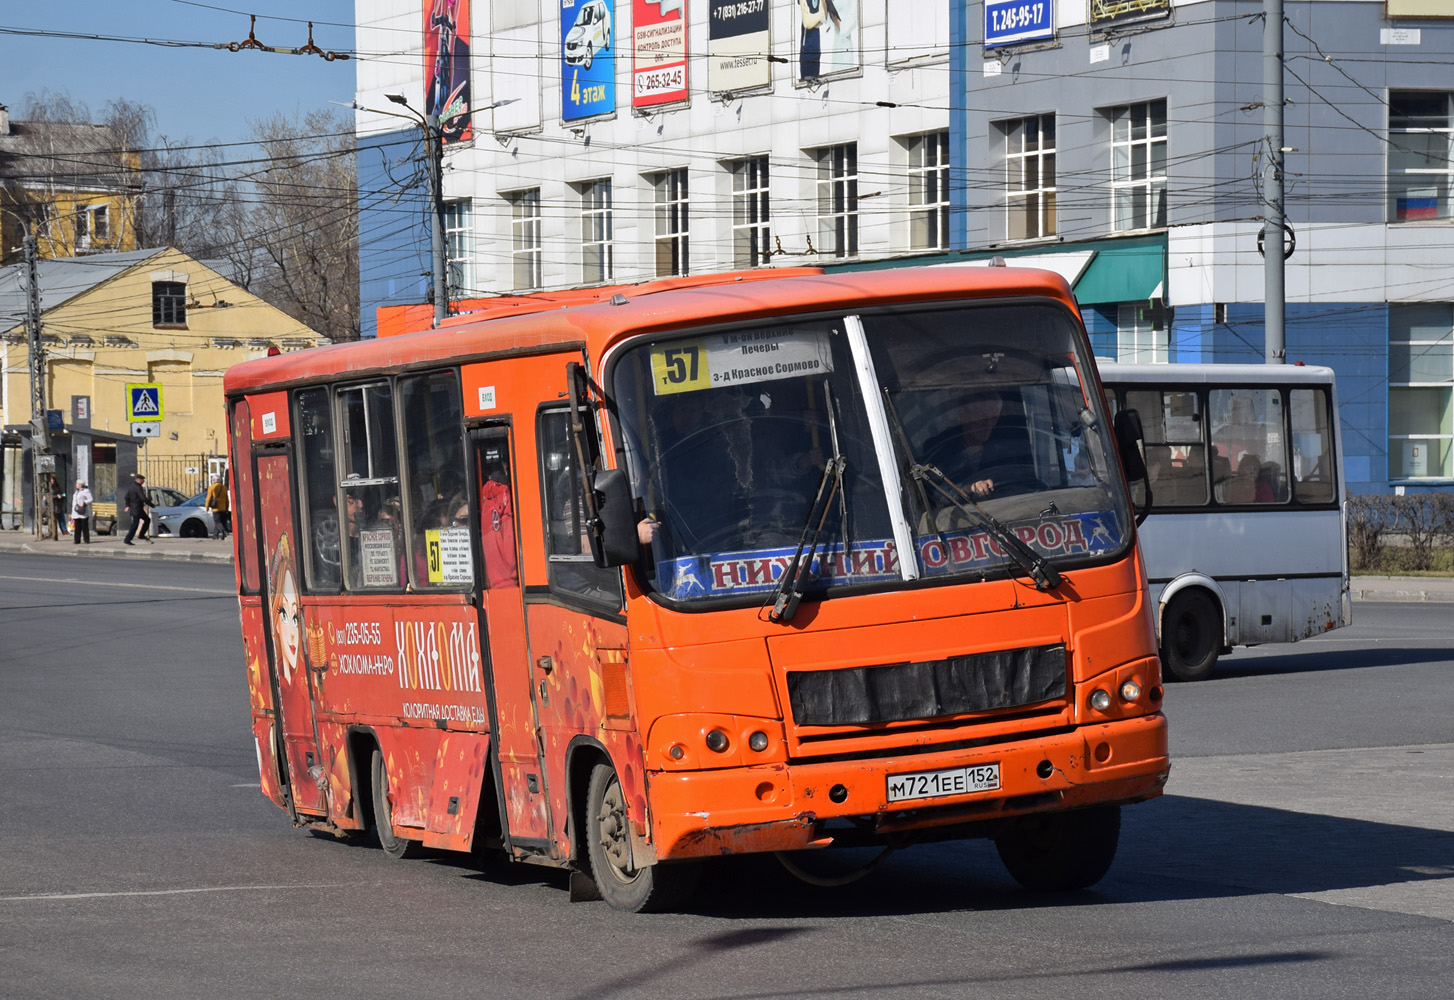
point(963, 434)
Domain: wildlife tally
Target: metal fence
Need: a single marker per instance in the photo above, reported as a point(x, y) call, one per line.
point(188, 474)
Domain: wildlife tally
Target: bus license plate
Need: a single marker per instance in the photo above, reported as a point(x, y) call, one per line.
point(951, 781)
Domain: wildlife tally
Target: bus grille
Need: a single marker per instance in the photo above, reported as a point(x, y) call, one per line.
point(974, 682)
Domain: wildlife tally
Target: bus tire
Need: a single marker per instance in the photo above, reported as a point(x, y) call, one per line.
point(393, 846)
point(1058, 852)
point(1191, 636)
point(652, 889)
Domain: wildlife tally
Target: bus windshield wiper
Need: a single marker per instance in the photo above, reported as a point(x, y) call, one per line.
point(1045, 576)
point(795, 576)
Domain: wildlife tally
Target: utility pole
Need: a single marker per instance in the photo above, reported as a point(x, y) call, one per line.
point(1274, 223)
point(434, 153)
point(41, 482)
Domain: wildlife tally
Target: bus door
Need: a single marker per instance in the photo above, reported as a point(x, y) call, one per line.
point(287, 633)
point(526, 817)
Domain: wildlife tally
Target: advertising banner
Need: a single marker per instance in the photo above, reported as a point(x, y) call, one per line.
point(737, 45)
point(1009, 21)
point(447, 67)
point(659, 52)
point(827, 38)
point(587, 58)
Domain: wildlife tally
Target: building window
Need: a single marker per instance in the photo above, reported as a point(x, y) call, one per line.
point(168, 303)
point(100, 223)
point(838, 200)
point(1419, 155)
point(459, 246)
point(929, 192)
point(1138, 341)
point(597, 253)
point(1420, 371)
point(751, 231)
point(1138, 166)
point(1029, 177)
point(671, 223)
point(525, 237)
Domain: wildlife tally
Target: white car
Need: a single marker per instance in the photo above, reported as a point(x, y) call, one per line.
point(187, 519)
point(590, 34)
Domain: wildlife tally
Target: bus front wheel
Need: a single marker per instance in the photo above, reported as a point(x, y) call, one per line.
point(1191, 636)
point(1057, 852)
point(636, 890)
point(393, 846)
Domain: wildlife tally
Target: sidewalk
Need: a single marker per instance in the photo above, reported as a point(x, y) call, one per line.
point(1434, 589)
point(209, 550)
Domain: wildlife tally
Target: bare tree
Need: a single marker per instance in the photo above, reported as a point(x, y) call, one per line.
point(298, 245)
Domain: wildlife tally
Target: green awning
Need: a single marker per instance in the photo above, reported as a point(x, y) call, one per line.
point(1122, 274)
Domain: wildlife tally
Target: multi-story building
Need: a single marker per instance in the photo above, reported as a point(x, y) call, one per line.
point(612, 141)
point(1127, 137)
point(72, 184)
point(1120, 142)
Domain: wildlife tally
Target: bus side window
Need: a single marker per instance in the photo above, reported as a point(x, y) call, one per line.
point(1247, 433)
point(314, 428)
point(439, 535)
point(372, 516)
point(1312, 447)
point(1175, 452)
point(568, 552)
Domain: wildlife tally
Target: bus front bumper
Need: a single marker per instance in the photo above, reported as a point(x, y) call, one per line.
point(787, 807)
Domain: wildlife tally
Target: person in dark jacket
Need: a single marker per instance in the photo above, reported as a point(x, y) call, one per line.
point(135, 501)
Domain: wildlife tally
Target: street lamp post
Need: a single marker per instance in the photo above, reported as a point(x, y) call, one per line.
point(434, 168)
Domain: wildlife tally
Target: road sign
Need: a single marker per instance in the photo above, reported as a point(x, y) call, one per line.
point(147, 430)
point(143, 402)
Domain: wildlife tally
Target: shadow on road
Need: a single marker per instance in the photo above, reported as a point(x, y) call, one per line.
point(1318, 659)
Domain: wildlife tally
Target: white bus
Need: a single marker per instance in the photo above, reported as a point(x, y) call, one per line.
point(1246, 541)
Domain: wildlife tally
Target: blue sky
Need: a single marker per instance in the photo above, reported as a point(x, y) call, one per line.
point(202, 94)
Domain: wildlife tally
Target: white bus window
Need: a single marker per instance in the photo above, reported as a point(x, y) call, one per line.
point(1175, 453)
point(1249, 446)
point(1312, 446)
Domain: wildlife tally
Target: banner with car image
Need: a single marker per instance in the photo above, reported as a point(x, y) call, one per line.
point(658, 52)
point(587, 58)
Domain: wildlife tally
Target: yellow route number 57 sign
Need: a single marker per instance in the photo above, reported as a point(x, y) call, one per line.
point(143, 401)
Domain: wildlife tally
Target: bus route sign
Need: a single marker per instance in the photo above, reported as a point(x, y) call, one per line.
point(143, 401)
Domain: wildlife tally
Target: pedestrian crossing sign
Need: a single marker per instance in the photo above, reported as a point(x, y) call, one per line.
point(143, 401)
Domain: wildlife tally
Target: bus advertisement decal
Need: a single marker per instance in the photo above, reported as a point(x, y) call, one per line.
point(759, 571)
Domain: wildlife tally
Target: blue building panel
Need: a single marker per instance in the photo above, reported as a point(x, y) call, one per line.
point(393, 225)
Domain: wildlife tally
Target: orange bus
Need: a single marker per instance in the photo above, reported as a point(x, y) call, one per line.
point(759, 562)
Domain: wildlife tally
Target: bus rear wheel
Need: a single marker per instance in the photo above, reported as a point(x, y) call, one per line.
point(1057, 852)
point(1191, 636)
point(652, 889)
point(393, 846)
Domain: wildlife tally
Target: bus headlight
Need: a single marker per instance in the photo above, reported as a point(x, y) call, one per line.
point(1130, 691)
point(1100, 700)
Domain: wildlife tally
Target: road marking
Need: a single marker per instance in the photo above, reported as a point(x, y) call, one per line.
point(170, 892)
point(130, 585)
point(248, 784)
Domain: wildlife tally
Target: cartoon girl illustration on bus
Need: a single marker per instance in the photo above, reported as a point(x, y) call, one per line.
point(286, 611)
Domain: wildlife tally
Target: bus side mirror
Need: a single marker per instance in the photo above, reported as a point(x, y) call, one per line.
point(1131, 446)
point(613, 532)
point(1131, 443)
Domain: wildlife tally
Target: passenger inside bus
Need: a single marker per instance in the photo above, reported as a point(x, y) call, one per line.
point(373, 525)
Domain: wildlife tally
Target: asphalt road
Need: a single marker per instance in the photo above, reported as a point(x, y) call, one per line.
point(1305, 846)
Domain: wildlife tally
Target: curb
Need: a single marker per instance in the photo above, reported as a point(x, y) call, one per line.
point(81, 552)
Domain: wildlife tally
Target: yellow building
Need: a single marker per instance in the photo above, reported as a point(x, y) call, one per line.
point(110, 320)
point(71, 184)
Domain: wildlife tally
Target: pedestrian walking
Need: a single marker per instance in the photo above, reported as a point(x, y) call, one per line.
point(81, 513)
point(135, 500)
point(218, 504)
